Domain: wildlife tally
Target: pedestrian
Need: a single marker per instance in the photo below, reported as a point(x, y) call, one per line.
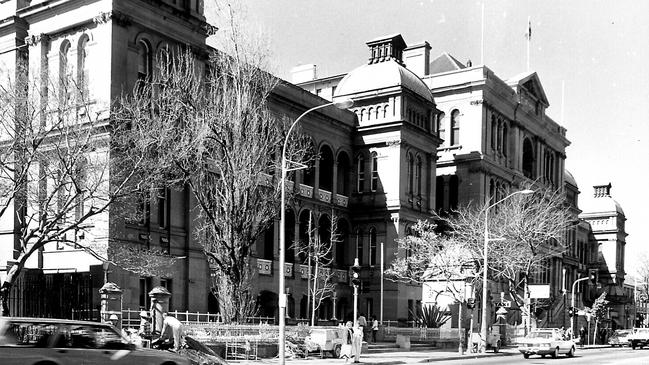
point(357, 344)
point(362, 323)
point(172, 331)
point(582, 336)
point(145, 326)
point(375, 328)
point(346, 348)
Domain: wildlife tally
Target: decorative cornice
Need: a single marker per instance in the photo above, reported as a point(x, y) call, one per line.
point(35, 39)
point(118, 17)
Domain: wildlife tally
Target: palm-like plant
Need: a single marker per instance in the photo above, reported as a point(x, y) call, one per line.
point(430, 316)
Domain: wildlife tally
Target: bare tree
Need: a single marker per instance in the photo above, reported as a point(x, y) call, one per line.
point(529, 232)
point(204, 123)
point(318, 251)
point(59, 173)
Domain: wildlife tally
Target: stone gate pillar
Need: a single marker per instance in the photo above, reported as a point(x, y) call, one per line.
point(111, 303)
point(159, 304)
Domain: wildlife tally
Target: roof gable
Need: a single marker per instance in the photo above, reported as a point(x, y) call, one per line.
point(445, 63)
point(531, 83)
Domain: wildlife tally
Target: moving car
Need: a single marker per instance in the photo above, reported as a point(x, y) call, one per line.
point(619, 338)
point(328, 340)
point(639, 338)
point(546, 341)
point(27, 341)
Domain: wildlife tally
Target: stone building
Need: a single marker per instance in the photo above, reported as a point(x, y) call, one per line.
point(495, 137)
point(375, 170)
point(607, 221)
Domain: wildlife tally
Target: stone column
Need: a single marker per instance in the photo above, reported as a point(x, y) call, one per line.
point(111, 302)
point(159, 304)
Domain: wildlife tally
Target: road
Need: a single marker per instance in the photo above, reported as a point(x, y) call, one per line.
point(624, 356)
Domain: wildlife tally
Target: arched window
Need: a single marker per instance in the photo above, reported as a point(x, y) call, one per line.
point(494, 129)
point(362, 114)
point(411, 173)
point(289, 229)
point(505, 139)
point(370, 111)
point(455, 127)
point(359, 246)
point(441, 131)
point(373, 247)
point(305, 221)
point(418, 175)
point(374, 183)
point(360, 173)
point(385, 111)
point(64, 77)
point(499, 136)
point(343, 174)
point(378, 112)
point(342, 241)
point(143, 60)
point(82, 68)
point(326, 167)
point(269, 242)
point(528, 159)
point(492, 190)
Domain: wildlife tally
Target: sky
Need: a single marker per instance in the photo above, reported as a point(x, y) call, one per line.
point(597, 49)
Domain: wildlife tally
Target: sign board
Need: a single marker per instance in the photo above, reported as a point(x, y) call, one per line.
point(501, 310)
point(539, 290)
point(504, 303)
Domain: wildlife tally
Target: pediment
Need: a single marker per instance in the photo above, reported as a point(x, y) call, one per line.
point(529, 83)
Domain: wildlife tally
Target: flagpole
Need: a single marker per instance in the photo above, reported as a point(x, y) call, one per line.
point(529, 40)
point(482, 37)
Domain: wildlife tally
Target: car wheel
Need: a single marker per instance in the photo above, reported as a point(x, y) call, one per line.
point(571, 353)
point(336, 351)
point(527, 356)
point(555, 354)
point(633, 345)
point(542, 356)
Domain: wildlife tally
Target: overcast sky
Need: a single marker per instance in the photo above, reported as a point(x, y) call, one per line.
point(599, 49)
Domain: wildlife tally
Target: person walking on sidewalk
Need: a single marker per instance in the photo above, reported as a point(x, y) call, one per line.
point(375, 328)
point(582, 336)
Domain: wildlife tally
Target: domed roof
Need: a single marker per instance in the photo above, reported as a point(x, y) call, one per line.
point(601, 205)
point(569, 179)
point(602, 202)
point(382, 75)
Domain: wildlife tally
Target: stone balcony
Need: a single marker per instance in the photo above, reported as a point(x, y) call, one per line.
point(342, 200)
point(306, 191)
point(265, 267)
point(324, 196)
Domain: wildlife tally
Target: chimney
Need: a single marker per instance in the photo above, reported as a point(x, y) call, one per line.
point(386, 48)
point(602, 191)
point(303, 73)
point(417, 58)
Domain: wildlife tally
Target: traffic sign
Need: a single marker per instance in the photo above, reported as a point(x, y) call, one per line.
point(501, 311)
point(504, 303)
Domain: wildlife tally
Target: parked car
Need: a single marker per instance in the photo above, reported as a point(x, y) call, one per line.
point(546, 341)
point(26, 341)
point(619, 338)
point(639, 338)
point(329, 340)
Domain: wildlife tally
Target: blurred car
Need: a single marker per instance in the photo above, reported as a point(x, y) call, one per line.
point(328, 340)
point(619, 338)
point(639, 338)
point(26, 341)
point(546, 341)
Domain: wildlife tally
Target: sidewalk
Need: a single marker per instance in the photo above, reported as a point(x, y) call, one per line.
point(402, 357)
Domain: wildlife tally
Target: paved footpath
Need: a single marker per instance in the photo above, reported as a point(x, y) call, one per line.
point(396, 357)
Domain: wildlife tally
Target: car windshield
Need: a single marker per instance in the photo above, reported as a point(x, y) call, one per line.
point(540, 335)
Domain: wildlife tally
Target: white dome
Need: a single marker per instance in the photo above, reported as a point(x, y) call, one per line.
point(382, 75)
point(604, 204)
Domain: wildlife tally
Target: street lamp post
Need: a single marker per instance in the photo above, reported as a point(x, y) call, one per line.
point(483, 326)
point(342, 104)
point(572, 304)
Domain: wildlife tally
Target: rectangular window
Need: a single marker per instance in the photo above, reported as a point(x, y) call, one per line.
point(143, 209)
point(318, 92)
point(359, 248)
point(163, 207)
point(360, 174)
point(145, 287)
point(411, 309)
point(375, 173)
point(373, 250)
